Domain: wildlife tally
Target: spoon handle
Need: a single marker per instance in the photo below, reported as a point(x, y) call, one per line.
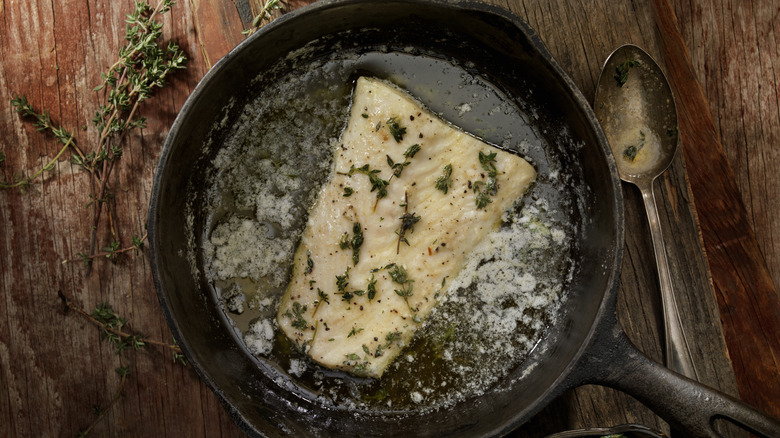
point(678, 353)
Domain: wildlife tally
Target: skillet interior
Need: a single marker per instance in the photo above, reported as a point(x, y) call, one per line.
point(500, 48)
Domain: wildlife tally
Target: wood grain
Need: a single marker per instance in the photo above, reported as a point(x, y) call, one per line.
point(750, 306)
point(53, 366)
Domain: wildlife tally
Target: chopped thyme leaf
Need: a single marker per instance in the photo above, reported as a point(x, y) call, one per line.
point(393, 336)
point(354, 242)
point(397, 167)
point(377, 184)
point(482, 198)
point(309, 263)
point(364, 115)
point(444, 182)
point(379, 395)
point(297, 316)
point(484, 190)
point(412, 150)
point(342, 281)
point(631, 151)
point(407, 223)
point(398, 275)
point(348, 191)
point(354, 331)
point(344, 242)
point(357, 241)
point(621, 72)
point(371, 288)
point(396, 130)
point(488, 162)
point(323, 296)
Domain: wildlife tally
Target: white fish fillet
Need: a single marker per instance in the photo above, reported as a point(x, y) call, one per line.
point(364, 333)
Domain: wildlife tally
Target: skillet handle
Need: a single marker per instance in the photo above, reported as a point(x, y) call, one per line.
point(687, 405)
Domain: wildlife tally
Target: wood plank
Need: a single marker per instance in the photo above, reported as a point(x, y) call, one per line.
point(747, 298)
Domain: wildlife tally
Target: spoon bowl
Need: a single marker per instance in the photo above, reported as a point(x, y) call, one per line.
point(636, 109)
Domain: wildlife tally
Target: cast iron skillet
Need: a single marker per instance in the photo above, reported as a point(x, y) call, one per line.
point(585, 346)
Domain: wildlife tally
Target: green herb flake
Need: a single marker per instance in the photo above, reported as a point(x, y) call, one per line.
point(323, 296)
point(407, 225)
point(342, 281)
point(297, 316)
point(309, 263)
point(621, 72)
point(357, 241)
point(483, 190)
point(354, 331)
point(397, 167)
point(379, 395)
point(348, 191)
point(377, 184)
point(412, 150)
point(631, 151)
point(353, 242)
point(371, 288)
point(396, 130)
point(444, 182)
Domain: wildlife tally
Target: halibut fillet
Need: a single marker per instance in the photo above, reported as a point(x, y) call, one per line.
point(409, 198)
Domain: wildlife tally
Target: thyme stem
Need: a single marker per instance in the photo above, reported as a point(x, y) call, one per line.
point(102, 326)
point(49, 165)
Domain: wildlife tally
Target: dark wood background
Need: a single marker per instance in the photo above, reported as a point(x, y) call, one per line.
point(719, 202)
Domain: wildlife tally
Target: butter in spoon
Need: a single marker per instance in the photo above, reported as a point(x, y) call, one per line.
point(636, 109)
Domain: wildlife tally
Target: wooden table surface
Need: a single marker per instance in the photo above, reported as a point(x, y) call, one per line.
point(54, 368)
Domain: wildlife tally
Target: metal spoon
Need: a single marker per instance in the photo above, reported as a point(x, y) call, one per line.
point(635, 107)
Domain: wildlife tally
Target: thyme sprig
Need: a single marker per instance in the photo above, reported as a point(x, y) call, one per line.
point(263, 16)
point(396, 130)
point(399, 276)
point(297, 316)
point(42, 123)
point(408, 220)
point(143, 65)
point(111, 251)
point(354, 242)
point(112, 329)
point(398, 168)
point(378, 184)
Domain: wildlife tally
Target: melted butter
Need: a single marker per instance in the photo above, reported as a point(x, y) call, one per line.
point(280, 154)
point(637, 149)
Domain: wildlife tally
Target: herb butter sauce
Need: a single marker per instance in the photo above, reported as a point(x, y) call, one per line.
point(267, 174)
